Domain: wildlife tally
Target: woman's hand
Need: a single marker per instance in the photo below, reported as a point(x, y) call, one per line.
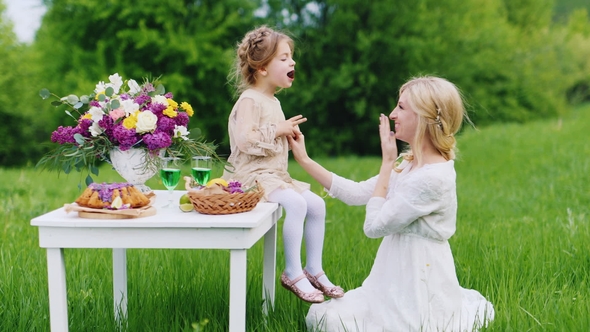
point(290, 127)
point(317, 171)
point(388, 144)
point(297, 144)
point(389, 151)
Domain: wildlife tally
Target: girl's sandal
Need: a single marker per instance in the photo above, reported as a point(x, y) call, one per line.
point(333, 292)
point(313, 297)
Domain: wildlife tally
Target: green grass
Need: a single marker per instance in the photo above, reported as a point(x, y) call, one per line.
point(522, 241)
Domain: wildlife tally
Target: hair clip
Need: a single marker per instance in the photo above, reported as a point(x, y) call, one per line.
point(437, 119)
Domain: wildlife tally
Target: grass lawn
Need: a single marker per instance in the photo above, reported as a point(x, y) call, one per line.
point(522, 241)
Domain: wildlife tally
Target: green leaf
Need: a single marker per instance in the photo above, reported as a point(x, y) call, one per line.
point(115, 104)
point(88, 180)
point(85, 99)
point(56, 103)
point(101, 97)
point(109, 91)
point(79, 139)
point(78, 105)
point(72, 99)
point(94, 170)
point(44, 93)
point(160, 90)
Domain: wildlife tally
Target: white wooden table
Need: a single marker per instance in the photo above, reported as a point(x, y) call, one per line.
point(168, 229)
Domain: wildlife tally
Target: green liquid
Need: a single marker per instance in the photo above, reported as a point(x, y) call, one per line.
point(170, 177)
point(201, 175)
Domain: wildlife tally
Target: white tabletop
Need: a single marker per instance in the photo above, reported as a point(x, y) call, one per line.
point(171, 217)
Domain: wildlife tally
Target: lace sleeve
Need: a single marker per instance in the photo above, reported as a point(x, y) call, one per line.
point(253, 137)
point(351, 192)
point(409, 201)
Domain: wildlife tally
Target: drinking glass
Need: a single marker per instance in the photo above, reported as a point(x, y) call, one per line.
point(201, 169)
point(170, 175)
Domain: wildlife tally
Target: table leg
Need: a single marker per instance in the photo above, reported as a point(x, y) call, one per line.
point(58, 301)
point(237, 290)
point(120, 283)
point(269, 270)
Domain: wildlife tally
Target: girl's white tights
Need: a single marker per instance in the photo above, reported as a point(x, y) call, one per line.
point(305, 215)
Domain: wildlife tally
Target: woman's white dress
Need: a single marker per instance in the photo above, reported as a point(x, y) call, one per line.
point(412, 285)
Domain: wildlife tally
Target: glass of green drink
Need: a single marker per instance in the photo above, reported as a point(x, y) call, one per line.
point(170, 175)
point(201, 169)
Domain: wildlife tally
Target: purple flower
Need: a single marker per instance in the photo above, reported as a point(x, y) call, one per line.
point(156, 108)
point(169, 95)
point(142, 99)
point(84, 126)
point(148, 87)
point(234, 187)
point(166, 124)
point(157, 140)
point(107, 123)
point(182, 119)
point(127, 138)
point(64, 135)
point(94, 103)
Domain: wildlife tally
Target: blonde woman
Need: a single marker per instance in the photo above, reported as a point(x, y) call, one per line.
point(412, 205)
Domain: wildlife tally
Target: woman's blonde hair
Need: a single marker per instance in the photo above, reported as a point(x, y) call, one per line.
point(255, 51)
point(440, 109)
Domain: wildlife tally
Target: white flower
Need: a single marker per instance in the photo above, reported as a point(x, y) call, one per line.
point(160, 99)
point(96, 113)
point(100, 87)
point(129, 106)
point(146, 121)
point(95, 129)
point(181, 131)
point(134, 88)
point(116, 82)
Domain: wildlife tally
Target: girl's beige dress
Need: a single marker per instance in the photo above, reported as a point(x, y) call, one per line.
point(256, 155)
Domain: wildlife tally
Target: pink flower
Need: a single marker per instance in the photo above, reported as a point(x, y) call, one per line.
point(117, 114)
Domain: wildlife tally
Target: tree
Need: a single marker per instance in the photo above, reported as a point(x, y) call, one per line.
point(189, 43)
point(19, 125)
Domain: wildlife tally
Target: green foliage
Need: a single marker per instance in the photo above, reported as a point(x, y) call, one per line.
point(515, 61)
point(189, 43)
point(510, 61)
point(19, 128)
point(521, 240)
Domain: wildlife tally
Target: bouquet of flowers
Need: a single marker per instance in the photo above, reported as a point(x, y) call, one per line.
point(124, 115)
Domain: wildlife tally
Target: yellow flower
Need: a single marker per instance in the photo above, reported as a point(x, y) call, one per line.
point(130, 121)
point(172, 103)
point(98, 94)
point(187, 107)
point(87, 116)
point(170, 112)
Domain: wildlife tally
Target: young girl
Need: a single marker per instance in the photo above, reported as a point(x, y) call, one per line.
point(412, 285)
point(258, 134)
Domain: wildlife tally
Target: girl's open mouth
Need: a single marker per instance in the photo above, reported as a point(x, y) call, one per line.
point(291, 74)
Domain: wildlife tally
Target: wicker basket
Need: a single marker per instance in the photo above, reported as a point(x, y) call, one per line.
point(226, 203)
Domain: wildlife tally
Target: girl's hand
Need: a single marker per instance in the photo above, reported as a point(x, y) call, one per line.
point(290, 127)
point(297, 144)
point(388, 145)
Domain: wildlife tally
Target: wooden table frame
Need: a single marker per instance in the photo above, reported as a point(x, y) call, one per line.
point(168, 229)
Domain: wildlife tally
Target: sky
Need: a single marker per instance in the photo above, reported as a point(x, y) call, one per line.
point(25, 16)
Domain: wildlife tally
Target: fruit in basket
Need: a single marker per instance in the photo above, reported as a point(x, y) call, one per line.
point(215, 181)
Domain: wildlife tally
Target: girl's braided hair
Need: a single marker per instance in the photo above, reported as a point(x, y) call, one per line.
point(255, 51)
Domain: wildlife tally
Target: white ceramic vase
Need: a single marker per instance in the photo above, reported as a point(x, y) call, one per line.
point(136, 166)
